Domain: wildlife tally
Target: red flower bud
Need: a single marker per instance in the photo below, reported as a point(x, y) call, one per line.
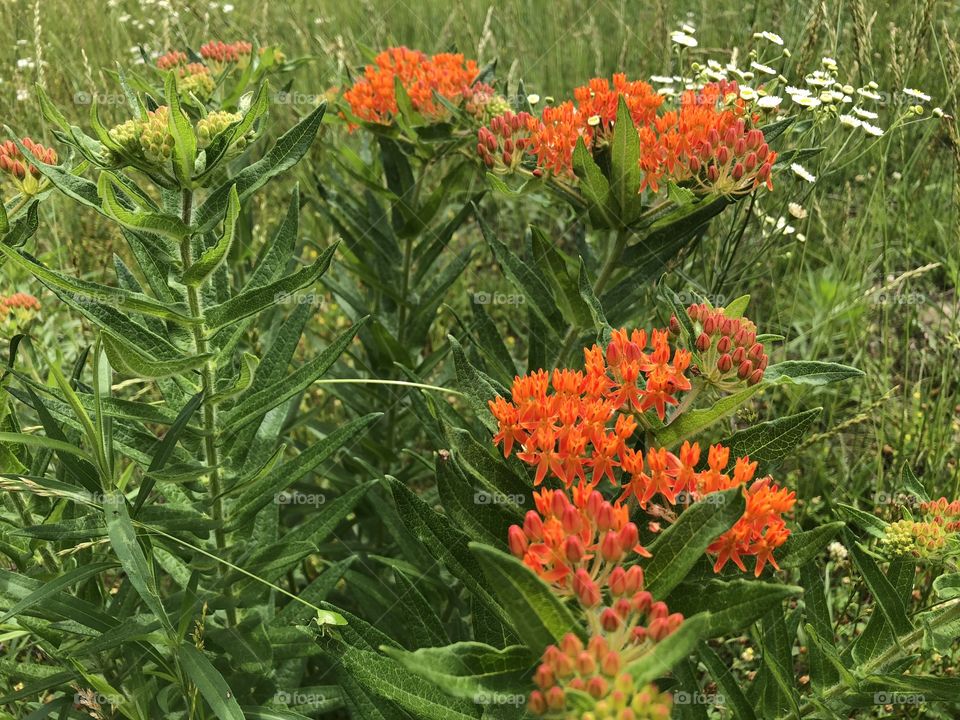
point(556, 700)
point(725, 363)
point(610, 547)
point(518, 541)
point(745, 369)
point(544, 677)
point(634, 579)
point(533, 525)
point(573, 549)
point(703, 342)
point(617, 582)
point(609, 620)
point(629, 537)
point(611, 664)
point(723, 345)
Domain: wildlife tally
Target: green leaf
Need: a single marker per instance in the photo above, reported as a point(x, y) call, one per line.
point(266, 490)
point(593, 185)
point(162, 224)
point(802, 547)
point(770, 442)
point(684, 542)
point(625, 164)
point(475, 385)
point(262, 401)
point(123, 539)
point(889, 601)
point(213, 256)
point(537, 614)
point(72, 577)
point(810, 372)
point(732, 604)
point(665, 655)
point(736, 308)
point(727, 683)
point(38, 441)
point(185, 142)
point(210, 683)
point(126, 359)
point(468, 669)
point(389, 679)
point(947, 586)
point(284, 155)
point(96, 293)
point(256, 300)
point(695, 421)
point(911, 483)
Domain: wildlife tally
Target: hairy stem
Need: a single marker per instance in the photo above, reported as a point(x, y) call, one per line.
point(209, 377)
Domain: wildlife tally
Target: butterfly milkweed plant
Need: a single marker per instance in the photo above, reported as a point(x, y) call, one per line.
point(417, 398)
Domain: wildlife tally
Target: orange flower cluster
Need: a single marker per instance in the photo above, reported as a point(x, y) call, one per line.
point(597, 101)
point(171, 59)
point(373, 97)
point(709, 141)
point(574, 545)
point(25, 176)
point(729, 352)
point(19, 301)
point(565, 433)
point(221, 53)
point(596, 674)
point(943, 512)
point(502, 143)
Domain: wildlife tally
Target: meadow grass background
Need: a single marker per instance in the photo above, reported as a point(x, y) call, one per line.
point(873, 284)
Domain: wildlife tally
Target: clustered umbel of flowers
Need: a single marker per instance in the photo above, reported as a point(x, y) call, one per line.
point(578, 426)
point(595, 671)
point(729, 353)
point(483, 102)
point(223, 55)
point(502, 143)
point(195, 78)
point(17, 310)
point(710, 141)
point(150, 138)
point(372, 98)
point(934, 535)
point(25, 176)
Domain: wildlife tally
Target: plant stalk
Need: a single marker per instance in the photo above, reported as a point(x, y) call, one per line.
point(208, 375)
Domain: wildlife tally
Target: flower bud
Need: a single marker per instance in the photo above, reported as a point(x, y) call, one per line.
point(610, 547)
point(518, 541)
point(573, 549)
point(609, 620)
point(634, 579)
point(745, 370)
point(611, 664)
point(533, 525)
point(556, 700)
point(544, 677)
point(725, 363)
point(617, 582)
point(703, 342)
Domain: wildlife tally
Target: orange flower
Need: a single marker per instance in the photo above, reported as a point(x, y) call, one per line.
point(574, 546)
point(554, 137)
point(171, 59)
point(25, 177)
point(597, 101)
point(373, 97)
point(221, 53)
point(20, 301)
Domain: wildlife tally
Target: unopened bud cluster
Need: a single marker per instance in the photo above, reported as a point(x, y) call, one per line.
point(17, 168)
point(502, 144)
point(596, 674)
point(195, 79)
point(483, 102)
point(214, 124)
point(729, 352)
point(734, 162)
point(222, 54)
point(931, 537)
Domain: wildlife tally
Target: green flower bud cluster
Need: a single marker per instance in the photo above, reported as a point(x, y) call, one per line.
point(196, 79)
point(917, 539)
point(214, 124)
point(156, 142)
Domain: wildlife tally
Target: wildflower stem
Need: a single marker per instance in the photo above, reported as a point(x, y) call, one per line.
point(209, 377)
point(606, 272)
point(373, 381)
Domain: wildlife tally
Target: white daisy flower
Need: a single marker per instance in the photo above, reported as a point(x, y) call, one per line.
point(748, 93)
point(872, 129)
point(763, 68)
point(682, 38)
point(850, 121)
point(797, 210)
point(769, 101)
point(661, 79)
point(770, 37)
point(807, 102)
point(803, 92)
point(917, 94)
point(866, 113)
point(867, 93)
point(687, 28)
point(803, 173)
point(533, 98)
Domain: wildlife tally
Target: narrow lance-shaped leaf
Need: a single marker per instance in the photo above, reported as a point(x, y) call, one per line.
point(213, 256)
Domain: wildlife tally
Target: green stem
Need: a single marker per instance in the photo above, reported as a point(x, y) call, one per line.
point(904, 645)
point(603, 279)
point(48, 559)
point(208, 375)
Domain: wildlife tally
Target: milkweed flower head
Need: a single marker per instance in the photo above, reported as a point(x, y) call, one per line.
point(597, 101)
point(567, 423)
point(224, 56)
point(215, 123)
point(574, 676)
point(373, 99)
point(503, 143)
point(483, 102)
point(576, 545)
point(171, 59)
point(933, 535)
point(18, 169)
point(196, 79)
point(17, 310)
point(728, 353)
